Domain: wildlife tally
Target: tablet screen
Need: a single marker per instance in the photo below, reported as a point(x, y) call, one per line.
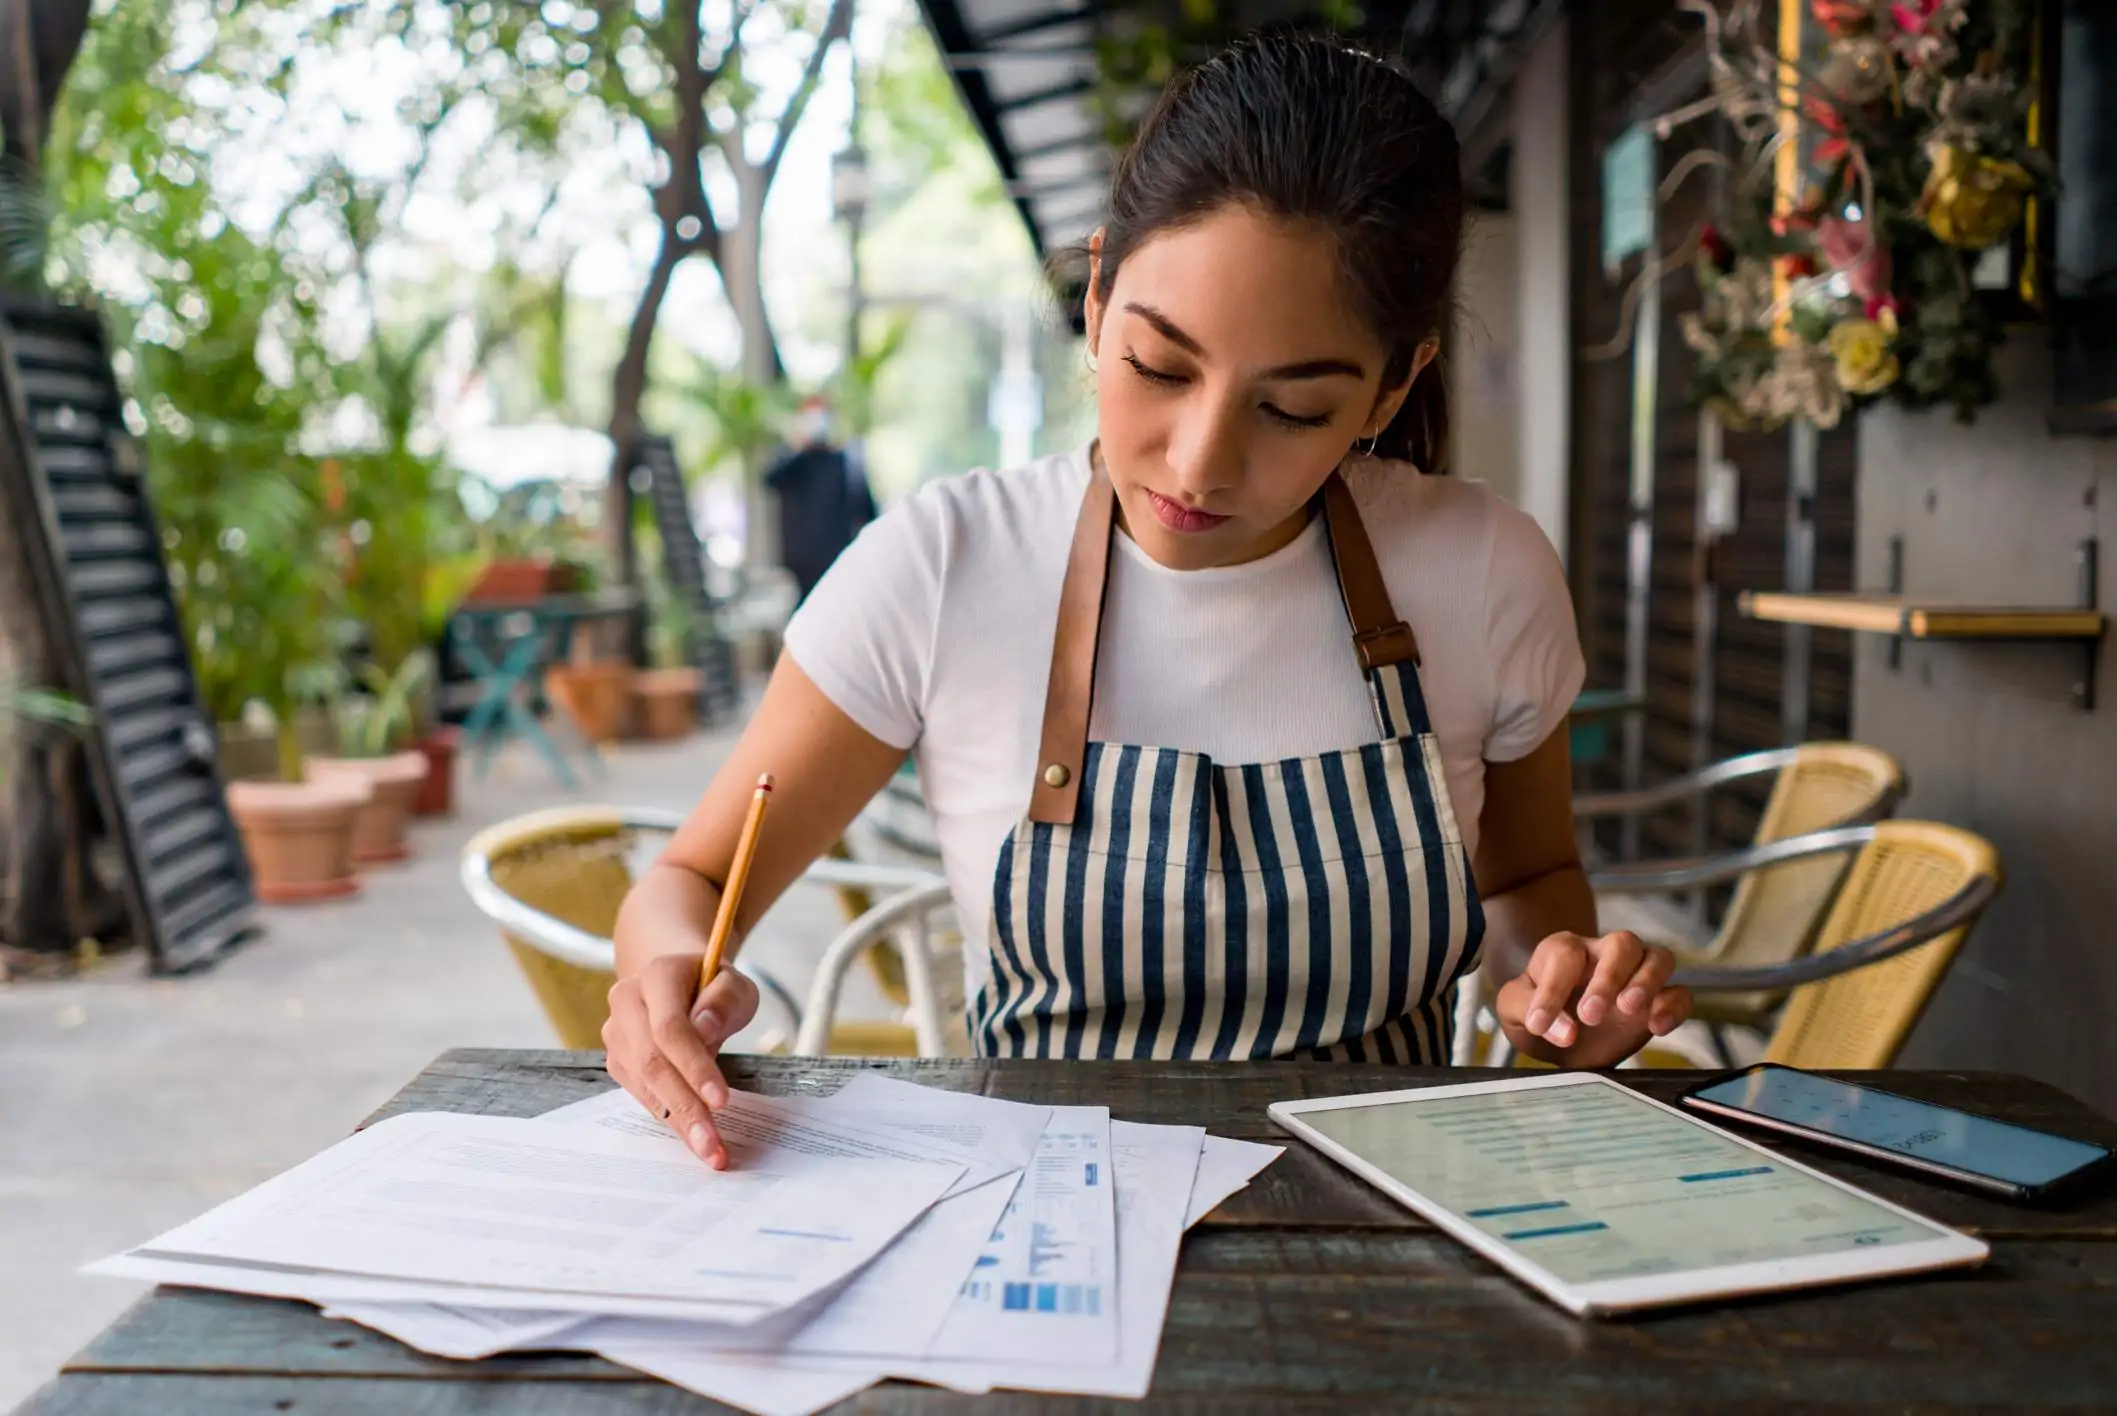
point(1591, 1183)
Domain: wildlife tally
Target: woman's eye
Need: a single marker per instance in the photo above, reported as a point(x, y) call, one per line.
point(1151, 374)
point(1293, 420)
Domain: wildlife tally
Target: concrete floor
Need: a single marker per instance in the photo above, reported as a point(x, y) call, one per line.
point(129, 1104)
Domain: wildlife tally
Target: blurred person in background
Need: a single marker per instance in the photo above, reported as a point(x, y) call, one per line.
point(823, 495)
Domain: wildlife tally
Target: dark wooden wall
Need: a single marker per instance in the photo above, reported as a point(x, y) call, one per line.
point(1634, 59)
point(1989, 733)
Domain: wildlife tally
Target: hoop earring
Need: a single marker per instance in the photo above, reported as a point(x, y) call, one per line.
point(1370, 450)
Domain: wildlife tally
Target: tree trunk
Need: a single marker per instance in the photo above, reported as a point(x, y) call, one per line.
point(628, 387)
point(38, 42)
point(742, 274)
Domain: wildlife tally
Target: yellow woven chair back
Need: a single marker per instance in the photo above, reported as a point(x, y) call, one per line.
point(1861, 1019)
point(574, 865)
point(1775, 912)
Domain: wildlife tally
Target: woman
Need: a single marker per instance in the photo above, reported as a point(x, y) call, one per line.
point(1242, 729)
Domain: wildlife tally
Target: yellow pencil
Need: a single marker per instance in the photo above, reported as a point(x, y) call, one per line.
point(731, 893)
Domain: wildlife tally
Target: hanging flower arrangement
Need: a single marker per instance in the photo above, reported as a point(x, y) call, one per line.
point(1915, 140)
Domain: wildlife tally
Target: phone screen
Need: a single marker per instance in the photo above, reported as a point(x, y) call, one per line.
point(1938, 1134)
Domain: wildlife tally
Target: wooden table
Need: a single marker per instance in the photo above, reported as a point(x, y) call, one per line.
point(1304, 1293)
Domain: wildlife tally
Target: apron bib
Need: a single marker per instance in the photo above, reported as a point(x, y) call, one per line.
point(1156, 903)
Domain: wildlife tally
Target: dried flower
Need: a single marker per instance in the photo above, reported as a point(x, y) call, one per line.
point(1856, 71)
point(1864, 353)
point(1854, 248)
point(1971, 201)
point(1843, 17)
point(1714, 248)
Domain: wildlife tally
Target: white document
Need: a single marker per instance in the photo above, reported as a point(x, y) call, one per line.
point(1155, 1167)
point(1224, 1167)
point(893, 1306)
point(1047, 1281)
point(871, 1117)
point(488, 1201)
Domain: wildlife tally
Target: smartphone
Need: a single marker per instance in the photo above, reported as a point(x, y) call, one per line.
point(2014, 1161)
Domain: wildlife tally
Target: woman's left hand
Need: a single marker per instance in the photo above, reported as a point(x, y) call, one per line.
point(1592, 1002)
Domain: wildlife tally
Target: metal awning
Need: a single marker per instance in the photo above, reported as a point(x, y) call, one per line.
point(1026, 70)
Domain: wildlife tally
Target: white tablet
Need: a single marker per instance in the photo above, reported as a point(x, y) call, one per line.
point(1606, 1201)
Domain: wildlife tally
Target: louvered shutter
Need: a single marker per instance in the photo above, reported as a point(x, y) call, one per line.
point(153, 750)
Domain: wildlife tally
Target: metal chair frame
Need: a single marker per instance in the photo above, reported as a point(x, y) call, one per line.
point(1679, 790)
point(911, 896)
point(1957, 911)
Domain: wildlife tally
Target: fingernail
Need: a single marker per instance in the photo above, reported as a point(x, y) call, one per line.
point(1632, 999)
point(707, 1022)
point(701, 1141)
point(1538, 1020)
point(1591, 1010)
point(1561, 1030)
point(715, 1095)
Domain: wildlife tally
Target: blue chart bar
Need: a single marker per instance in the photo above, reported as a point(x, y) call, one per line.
point(1052, 1298)
point(1497, 1210)
point(1706, 1175)
point(1557, 1230)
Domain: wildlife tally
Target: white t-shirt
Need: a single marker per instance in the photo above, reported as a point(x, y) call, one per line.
point(933, 631)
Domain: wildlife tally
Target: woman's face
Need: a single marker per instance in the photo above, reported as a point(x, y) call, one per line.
point(1232, 377)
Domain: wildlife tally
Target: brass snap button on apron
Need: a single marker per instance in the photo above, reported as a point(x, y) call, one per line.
point(1056, 775)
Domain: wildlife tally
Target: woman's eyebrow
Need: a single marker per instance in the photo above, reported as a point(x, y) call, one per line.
point(1306, 369)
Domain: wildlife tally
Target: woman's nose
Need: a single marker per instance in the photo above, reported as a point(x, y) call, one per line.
point(1206, 454)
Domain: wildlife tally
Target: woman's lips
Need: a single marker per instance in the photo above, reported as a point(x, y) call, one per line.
point(1178, 517)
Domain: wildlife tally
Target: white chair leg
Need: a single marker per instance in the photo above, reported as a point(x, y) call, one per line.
point(913, 948)
point(853, 941)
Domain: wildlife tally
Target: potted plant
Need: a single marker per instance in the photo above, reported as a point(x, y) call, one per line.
point(371, 727)
point(665, 696)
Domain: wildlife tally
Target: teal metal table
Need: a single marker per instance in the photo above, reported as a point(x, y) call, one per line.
point(506, 646)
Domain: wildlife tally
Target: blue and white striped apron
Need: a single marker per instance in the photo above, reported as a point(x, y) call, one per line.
point(1156, 903)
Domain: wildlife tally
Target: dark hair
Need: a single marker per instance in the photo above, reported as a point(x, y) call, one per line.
point(1309, 128)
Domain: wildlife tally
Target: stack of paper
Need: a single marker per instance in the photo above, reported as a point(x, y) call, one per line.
point(889, 1230)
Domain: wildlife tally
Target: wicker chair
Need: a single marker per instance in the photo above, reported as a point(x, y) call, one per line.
point(1775, 911)
point(1912, 892)
point(1910, 897)
point(553, 882)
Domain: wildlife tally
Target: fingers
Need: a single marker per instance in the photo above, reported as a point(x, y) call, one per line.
point(725, 1008)
point(1672, 1009)
point(1655, 966)
point(669, 988)
point(1616, 961)
point(1555, 969)
point(683, 1111)
point(665, 1062)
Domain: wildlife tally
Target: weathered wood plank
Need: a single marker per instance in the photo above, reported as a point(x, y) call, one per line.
point(265, 1396)
point(1402, 1317)
point(1306, 1294)
point(1302, 1188)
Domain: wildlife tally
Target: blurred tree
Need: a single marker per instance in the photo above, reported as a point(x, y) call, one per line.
point(693, 79)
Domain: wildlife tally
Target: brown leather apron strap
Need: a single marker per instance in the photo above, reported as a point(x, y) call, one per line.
point(1072, 686)
point(1379, 637)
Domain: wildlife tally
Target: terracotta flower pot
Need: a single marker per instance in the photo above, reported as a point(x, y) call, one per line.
point(299, 836)
point(598, 697)
point(437, 794)
point(379, 832)
point(248, 754)
point(665, 702)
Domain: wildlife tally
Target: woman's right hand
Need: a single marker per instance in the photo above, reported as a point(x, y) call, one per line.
point(662, 1044)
